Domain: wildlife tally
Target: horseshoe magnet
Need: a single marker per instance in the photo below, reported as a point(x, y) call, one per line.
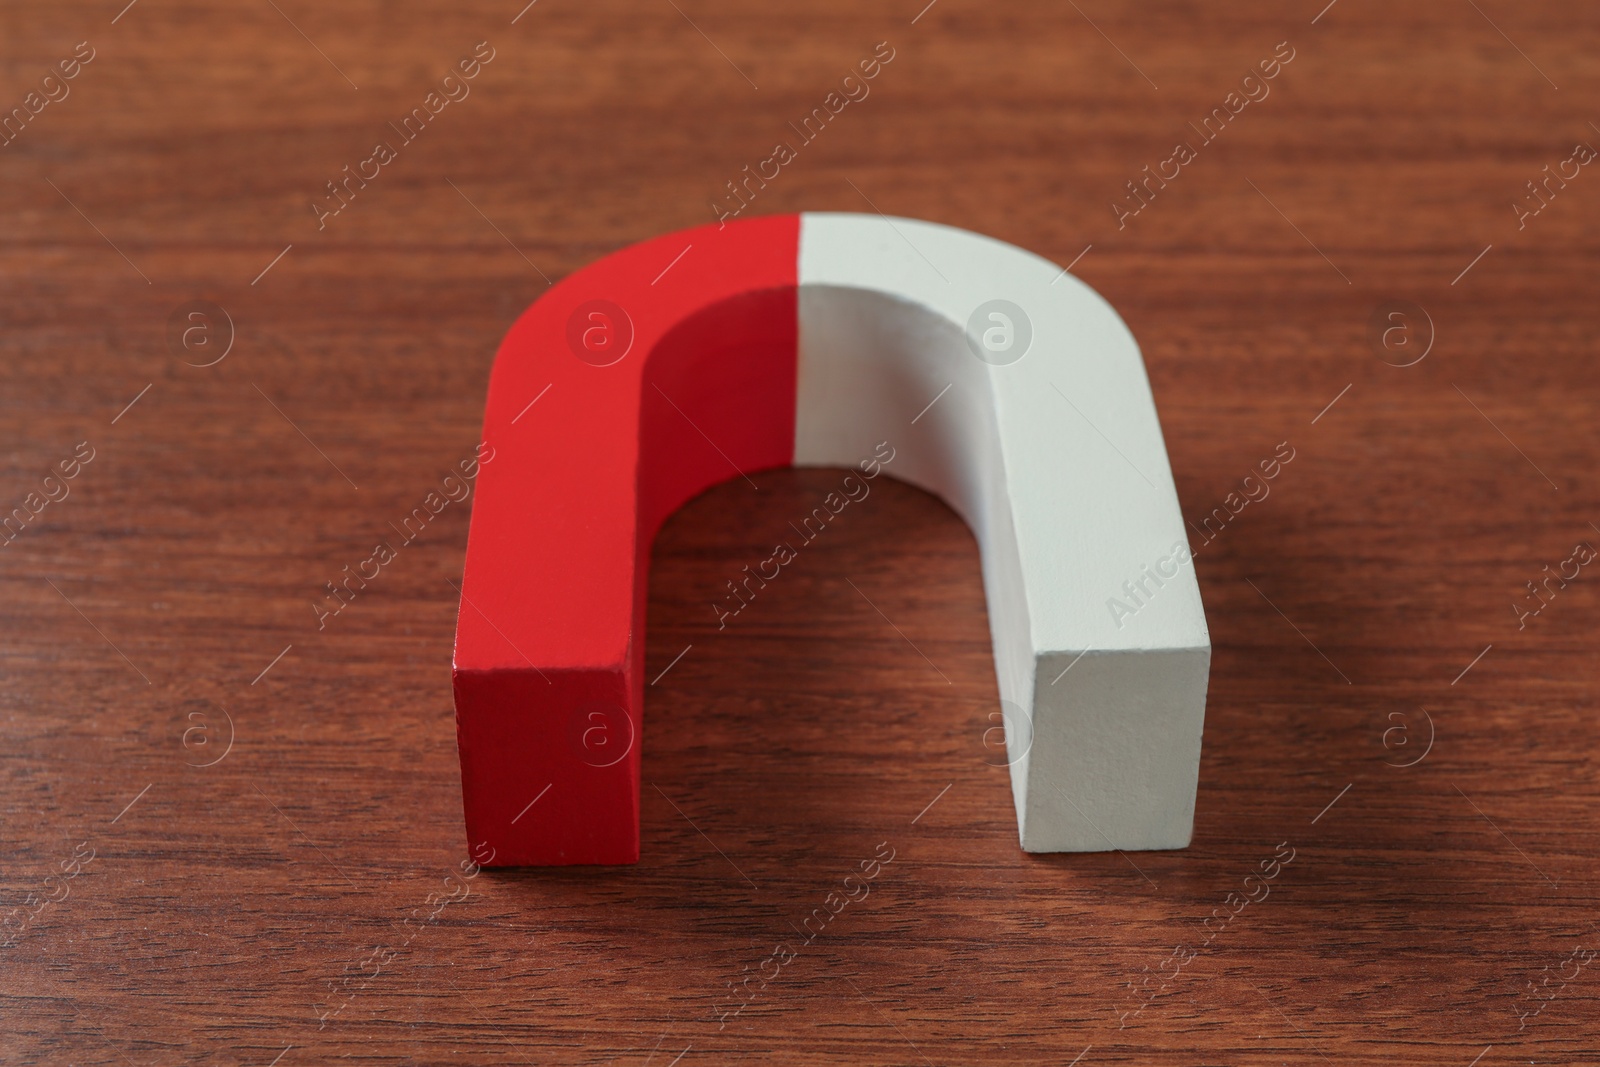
point(993, 378)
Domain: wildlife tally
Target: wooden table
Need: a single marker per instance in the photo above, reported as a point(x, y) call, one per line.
point(287, 903)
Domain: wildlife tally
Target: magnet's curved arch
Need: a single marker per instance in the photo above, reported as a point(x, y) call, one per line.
point(821, 340)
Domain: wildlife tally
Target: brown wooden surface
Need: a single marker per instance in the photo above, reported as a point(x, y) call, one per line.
point(228, 904)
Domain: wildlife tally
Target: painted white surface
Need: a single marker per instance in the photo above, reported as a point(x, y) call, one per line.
point(1057, 463)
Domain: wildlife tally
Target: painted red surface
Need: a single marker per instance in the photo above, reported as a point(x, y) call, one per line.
point(550, 638)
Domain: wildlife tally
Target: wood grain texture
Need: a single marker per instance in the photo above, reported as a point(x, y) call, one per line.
point(1425, 914)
